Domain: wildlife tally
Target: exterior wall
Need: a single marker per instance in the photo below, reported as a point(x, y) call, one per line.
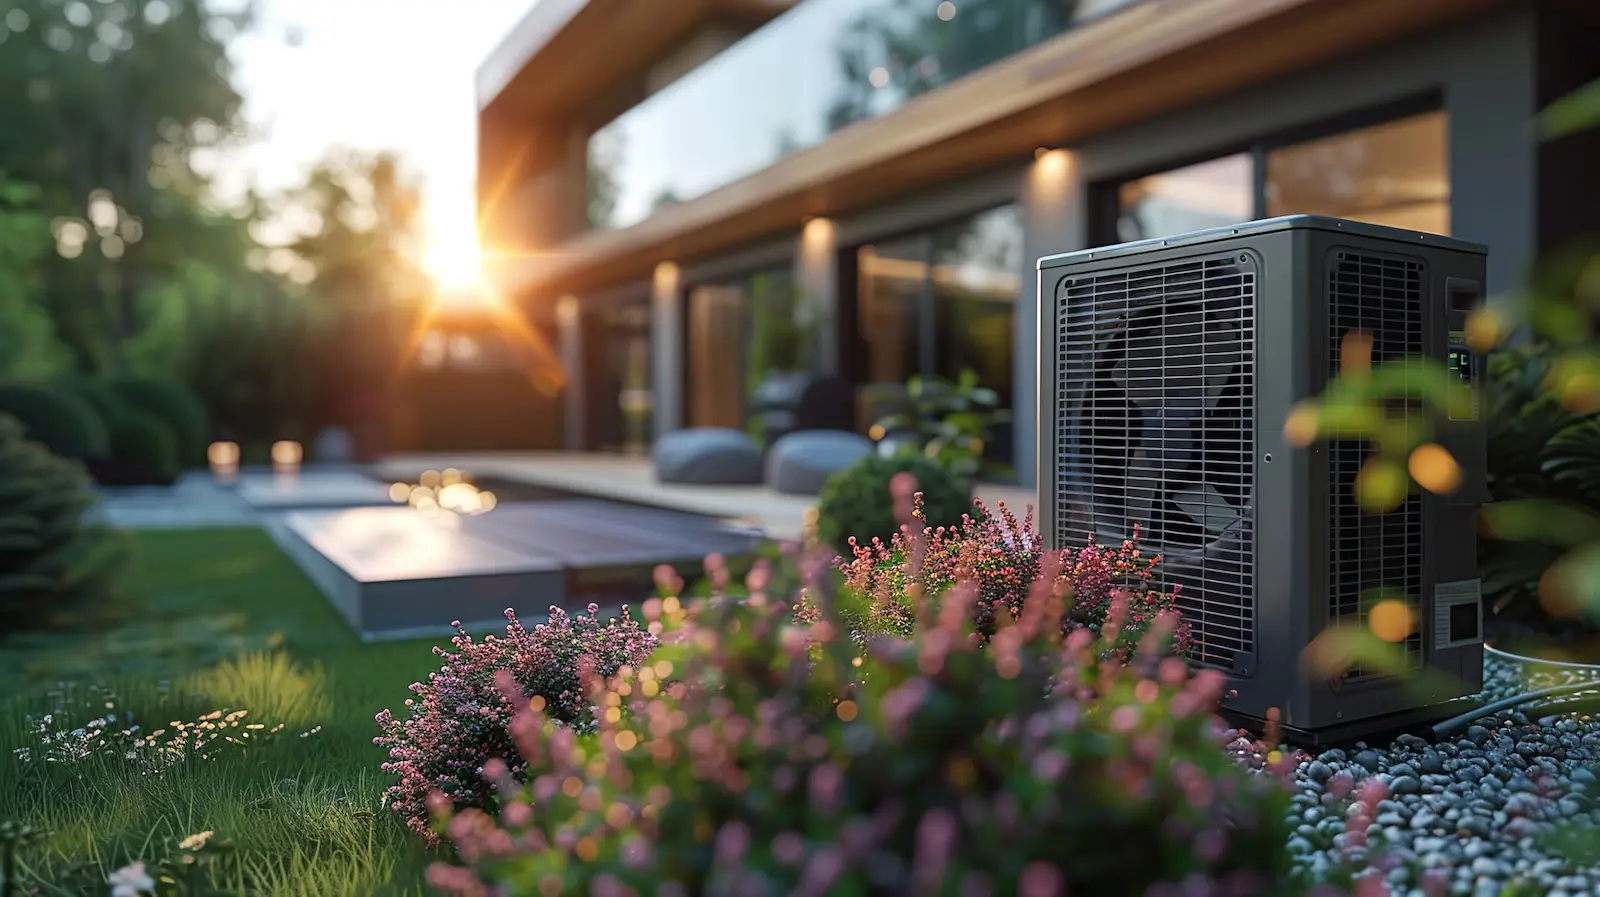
point(1485, 71)
point(532, 190)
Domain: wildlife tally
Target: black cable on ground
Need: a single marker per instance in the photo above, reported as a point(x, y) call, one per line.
point(1456, 724)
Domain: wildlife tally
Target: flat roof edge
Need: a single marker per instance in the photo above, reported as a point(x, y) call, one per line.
point(1262, 226)
point(532, 33)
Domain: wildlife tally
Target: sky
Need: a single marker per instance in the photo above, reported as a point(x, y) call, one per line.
point(372, 75)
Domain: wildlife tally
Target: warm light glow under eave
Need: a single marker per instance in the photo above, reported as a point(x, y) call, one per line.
point(1052, 167)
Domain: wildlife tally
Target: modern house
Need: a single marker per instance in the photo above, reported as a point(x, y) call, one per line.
point(660, 180)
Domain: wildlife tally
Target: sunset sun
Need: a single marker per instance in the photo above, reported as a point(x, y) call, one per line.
point(455, 262)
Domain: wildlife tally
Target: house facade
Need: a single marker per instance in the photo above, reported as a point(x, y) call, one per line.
point(688, 195)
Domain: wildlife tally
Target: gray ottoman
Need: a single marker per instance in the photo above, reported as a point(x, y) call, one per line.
point(707, 456)
point(799, 463)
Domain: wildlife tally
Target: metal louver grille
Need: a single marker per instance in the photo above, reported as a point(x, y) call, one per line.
point(1155, 428)
point(1372, 556)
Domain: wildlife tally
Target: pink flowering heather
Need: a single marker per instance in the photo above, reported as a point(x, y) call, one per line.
point(458, 721)
point(1025, 764)
point(1003, 557)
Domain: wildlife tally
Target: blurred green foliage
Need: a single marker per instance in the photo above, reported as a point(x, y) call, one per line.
point(861, 501)
point(1541, 528)
point(56, 418)
point(948, 421)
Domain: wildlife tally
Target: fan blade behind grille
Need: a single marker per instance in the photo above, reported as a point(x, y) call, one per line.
point(1155, 429)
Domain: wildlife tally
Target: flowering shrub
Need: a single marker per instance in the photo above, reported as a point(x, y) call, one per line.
point(1032, 766)
point(1002, 557)
point(458, 719)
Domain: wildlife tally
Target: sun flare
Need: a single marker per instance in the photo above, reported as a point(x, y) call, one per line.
point(455, 263)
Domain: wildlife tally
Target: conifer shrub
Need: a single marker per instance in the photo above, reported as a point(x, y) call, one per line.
point(761, 761)
point(458, 718)
point(50, 558)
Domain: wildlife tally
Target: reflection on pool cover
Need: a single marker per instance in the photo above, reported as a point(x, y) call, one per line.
point(312, 489)
point(387, 544)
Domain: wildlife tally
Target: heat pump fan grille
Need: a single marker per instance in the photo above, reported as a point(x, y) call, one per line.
point(1372, 556)
point(1155, 424)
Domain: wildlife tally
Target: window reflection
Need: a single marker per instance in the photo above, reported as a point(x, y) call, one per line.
point(893, 296)
point(740, 332)
point(745, 108)
point(716, 341)
point(478, 349)
point(938, 303)
point(618, 379)
point(976, 282)
point(1396, 174)
point(1211, 194)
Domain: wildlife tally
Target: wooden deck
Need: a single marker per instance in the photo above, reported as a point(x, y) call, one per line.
point(630, 479)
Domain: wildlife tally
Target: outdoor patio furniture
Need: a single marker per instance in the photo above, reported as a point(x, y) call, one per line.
point(794, 402)
point(799, 463)
point(707, 456)
point(334, 445)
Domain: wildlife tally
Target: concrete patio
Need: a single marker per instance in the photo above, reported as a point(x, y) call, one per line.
point(626, 478)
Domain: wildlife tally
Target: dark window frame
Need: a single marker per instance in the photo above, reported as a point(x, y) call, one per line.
point(1104, 205)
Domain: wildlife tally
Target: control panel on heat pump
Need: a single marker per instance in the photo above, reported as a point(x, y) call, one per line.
point(1463, 362)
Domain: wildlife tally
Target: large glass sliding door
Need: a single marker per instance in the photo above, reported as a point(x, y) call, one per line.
point(939, 303)
point(739, 330)
point(716, 345)
point(618, 387)
point(976, 282)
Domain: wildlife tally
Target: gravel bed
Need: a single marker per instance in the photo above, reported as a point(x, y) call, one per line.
point(1469, 815)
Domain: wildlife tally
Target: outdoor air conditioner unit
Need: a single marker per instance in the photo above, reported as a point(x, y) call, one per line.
point(1167, 369)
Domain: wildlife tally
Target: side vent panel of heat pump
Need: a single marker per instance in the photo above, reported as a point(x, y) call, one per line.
point(1372, 556)
point(1155, 427)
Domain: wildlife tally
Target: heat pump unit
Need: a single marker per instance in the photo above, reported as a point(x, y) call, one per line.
point(1167, 369)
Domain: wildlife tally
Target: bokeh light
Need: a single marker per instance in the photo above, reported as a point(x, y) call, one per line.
point(1391, 620)
point(287, 454)
point(444, 494)
point(1435, 469)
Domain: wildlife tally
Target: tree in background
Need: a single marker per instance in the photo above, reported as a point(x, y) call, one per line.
point(28, 344)
point(116, 103)
point(605, 157)
point(118, 254)
point(919, 49)
point(359, 253)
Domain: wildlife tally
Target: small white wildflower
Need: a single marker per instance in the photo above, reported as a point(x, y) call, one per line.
point(131, 881)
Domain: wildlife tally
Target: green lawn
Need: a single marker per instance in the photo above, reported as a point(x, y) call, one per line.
point(213, 620)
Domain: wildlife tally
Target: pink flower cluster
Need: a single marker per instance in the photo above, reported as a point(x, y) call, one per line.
point(958, 765)
point(1003, 556)
point(459, 719)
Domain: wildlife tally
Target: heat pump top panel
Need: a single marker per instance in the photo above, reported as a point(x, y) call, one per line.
point(1262, 227)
